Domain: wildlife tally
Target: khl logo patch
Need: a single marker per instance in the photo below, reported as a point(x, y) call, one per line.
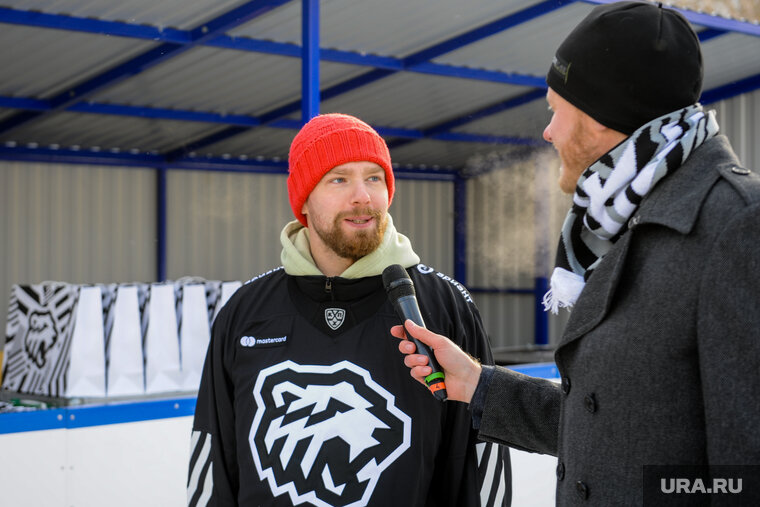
point(324, 434)
point(335, 317)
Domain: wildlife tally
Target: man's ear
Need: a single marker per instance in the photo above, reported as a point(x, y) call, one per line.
point(305, 209)
point(606, 135)
point(594, 126)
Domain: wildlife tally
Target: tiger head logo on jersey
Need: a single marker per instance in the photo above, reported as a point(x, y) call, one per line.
point(324, 434)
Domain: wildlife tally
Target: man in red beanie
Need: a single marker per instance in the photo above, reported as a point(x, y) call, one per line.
point(303, 400)
point(658, 260)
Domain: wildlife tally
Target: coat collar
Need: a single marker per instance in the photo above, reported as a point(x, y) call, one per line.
point(675, 203)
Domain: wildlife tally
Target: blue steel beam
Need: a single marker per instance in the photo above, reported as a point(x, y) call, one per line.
point(115, 28)
point(415, 59)
point(24, 103)
point(95, 26)
point(309, 59)
point(444, 128)
point(213, 164)
point(723, 92)
point(732, 89)
point(460, 230)
point(145, 32)
point(441, 131)
point(493, 76)
point(145, 112)
point(490, 110)
point(121, 29)
point(87, 157)
point(220, 135)
point(148, 59)
point(709, 33)
point(420, 58)
point(243, 121)
point(485, 31)
point(161, 197)
point(486, 139)
point(540, 315)
point(497, 290)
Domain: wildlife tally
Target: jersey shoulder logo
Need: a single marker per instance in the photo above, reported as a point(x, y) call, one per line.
point(335, 317)
point(324, 434)
point(426, 270)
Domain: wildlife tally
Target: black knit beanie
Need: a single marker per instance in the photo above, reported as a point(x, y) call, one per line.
point(628, 63)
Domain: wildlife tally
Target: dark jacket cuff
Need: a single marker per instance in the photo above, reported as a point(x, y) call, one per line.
point(478, 400)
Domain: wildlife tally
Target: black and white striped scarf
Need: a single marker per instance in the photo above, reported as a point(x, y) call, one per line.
point(611, 189)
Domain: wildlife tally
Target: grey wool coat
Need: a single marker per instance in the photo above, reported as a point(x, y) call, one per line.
point(660, 359)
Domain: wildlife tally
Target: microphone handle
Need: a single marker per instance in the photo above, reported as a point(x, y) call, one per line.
point(407, 308)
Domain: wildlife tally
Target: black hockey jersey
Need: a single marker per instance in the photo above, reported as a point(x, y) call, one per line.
point(305, 400)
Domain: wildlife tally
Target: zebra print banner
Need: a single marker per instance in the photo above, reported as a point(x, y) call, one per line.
point(42, 328)
point(38, 338)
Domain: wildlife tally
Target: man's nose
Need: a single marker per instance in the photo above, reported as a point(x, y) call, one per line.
point(547, 134)
point(360, 193)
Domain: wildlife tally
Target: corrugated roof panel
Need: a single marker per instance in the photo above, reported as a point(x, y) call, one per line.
point(179, 14)
point(729, 58)
point(44, 61)
point(440, 154)
point(415, 101)
point(270, 143)
point(526, 121)
point(38, 63)
point(526, 49)
point(274, 144)
point(215, 80)
point(106, 132)
point(390, 27)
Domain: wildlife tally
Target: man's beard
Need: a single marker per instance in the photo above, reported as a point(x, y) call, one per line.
point(576, 155)
point(362, 242)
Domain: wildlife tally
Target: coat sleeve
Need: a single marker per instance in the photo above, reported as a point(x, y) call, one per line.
point(522, 412)
point(728, 339)
point(213, 472)
point(471, 472)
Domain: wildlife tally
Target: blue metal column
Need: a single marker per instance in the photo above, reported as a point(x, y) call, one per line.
point(160, 224)
point(460, 229)
point(543, 245)
point(309, 59)
point(541, 319)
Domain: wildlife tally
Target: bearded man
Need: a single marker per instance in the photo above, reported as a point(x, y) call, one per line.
point(303, 399)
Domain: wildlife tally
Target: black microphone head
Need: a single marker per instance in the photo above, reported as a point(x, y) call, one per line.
point(397, 282)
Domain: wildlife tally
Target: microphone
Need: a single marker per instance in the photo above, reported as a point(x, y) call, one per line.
point(400, 289)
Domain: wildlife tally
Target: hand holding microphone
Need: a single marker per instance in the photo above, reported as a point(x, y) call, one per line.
point(461, 371)
point(401, 293)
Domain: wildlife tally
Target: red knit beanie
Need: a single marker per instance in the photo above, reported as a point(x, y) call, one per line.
point(327, 141)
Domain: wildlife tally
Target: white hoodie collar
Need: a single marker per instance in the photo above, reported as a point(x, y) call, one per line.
point(297, 260)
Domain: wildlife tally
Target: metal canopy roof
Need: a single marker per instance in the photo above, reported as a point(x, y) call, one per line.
point(215, 84)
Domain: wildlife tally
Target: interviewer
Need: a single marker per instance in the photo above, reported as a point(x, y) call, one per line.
point(659, 259)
